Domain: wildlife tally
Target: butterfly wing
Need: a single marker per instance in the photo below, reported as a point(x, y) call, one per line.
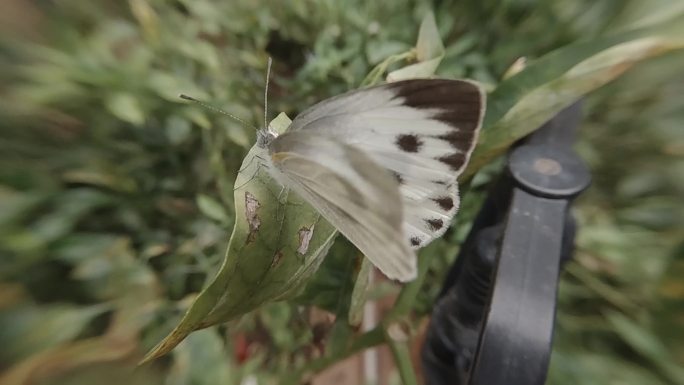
point(351, 191)
point(422, 130)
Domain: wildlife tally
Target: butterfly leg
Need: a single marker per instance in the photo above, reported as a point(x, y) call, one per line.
point(258, 168)
point(250, 163)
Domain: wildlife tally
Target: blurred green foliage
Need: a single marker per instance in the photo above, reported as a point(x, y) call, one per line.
point(116, 200)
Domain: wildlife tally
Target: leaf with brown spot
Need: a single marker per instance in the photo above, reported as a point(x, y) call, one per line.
point(263, 262)
point(253, 222)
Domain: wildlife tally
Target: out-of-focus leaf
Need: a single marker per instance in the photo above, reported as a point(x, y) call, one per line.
point(126, 107)
point(237, 134)
point(429, 44)
point(638, 337)
point(201, 359)
point(212, 208)
point(69, 208)
point(51, 365)
point(31, 329)
point(335, 277)
point(276, 317)
point(640, 184)
point(516, 67)
point(639, 14)
point(429, 52)
point(668, 316)
point(177, 129)
point(104, 176)
point(147, 17)
point(14, 204)
point(590, 368)
point(378, 51)
point(646, 344)
point(118, 276)
point(661, 214)
point(201, 51)
point(77, 248)
point(169, 86)
point(524, 102)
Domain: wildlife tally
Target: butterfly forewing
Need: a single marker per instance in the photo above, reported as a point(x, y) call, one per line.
point(356, 195)
point(422, 131)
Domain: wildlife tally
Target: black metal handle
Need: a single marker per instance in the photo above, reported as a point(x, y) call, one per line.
point(494, 322)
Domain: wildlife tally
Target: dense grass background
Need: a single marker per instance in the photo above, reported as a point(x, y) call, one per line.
point(116, 200)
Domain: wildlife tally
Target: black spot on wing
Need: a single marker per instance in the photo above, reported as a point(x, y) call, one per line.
point(459, 104)
point(415, 241)
point(456, 160)
point(435, 224)
point(445, 203)
point(409, 143)
point(431, 93)
point(461, 139)
point(452, 96)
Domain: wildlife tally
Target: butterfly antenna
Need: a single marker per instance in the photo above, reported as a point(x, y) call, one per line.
point(216, 109)
point(268, 75)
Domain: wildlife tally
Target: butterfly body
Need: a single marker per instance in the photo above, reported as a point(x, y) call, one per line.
point(381, 163)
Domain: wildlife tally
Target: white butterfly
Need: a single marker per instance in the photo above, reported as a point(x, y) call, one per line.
point(380, 164)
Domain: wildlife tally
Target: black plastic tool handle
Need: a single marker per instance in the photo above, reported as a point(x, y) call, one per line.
point(493, 324)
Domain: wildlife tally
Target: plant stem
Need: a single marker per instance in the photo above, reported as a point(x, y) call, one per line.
point(407, 295)
point(402, 360)
point(364, 341)
point(375, 74)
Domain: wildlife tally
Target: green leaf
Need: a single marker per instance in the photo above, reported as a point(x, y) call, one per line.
point(178, 130)
point(638, 14)
point(429, 44)
point(429, 52)
point(647, 344)
point(237, 133)
point(126, 107)
point(14, 205)
point(201, 360)
point(70, 207)
point(31, 329)
point(636, 336)
point(360, 293)
point(522, 103)
point(212, 208)
point(79, 247)
point(586, 367)
point(377, 51)
point(278, 242)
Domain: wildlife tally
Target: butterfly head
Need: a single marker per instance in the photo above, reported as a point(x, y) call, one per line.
point(265, 137)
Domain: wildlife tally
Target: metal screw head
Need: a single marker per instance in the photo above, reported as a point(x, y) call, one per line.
point(548, 171)
point(547, 166)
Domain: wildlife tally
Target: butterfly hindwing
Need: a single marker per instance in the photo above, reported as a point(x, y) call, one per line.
point(423, 131)
point(351, 191)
